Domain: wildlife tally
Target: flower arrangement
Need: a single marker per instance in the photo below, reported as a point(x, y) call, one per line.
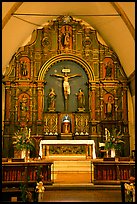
point(113, 140)
point(40, 188)
point(130, 189)
point(22, 139)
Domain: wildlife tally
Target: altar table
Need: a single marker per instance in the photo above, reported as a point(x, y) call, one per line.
point(89, 146)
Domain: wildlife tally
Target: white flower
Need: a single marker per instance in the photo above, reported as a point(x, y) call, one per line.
point(40, 188)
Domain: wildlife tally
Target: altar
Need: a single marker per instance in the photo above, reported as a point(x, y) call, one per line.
point(49, 148)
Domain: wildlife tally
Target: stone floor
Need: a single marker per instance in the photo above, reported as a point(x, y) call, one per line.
point(72, 183)
point(82, 195)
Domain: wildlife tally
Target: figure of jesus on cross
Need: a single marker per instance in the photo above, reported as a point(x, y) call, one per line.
point(66, 85)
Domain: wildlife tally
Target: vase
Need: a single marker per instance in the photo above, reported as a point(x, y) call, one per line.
point(107, 153)
point(25, 154)
point(113, 152)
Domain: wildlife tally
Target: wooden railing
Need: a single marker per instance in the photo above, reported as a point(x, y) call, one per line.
point(112, 172)
point(17, 172)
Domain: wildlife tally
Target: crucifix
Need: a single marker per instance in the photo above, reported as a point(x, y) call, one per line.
point(66, 85)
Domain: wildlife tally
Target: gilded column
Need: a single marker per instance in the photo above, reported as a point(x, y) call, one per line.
point(93, 102)
point(40, 100)
point(8, 101)
point(47, 150)
point(125, 104)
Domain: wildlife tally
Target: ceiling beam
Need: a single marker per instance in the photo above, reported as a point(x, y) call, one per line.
point(40, 14)
point(9, 14)
point(126, 20)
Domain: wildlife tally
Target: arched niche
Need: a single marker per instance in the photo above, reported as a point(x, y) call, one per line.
point(76, 65)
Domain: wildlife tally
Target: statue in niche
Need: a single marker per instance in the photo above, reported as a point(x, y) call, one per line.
point(66, 124)
point(51, 100)
point(80, 100)
point(108, 68)
point(66, 38)
point(109, 107)
point(24, 70)
point(24, 107)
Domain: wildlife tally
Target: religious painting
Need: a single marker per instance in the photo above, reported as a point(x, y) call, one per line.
point(108, 106)
point(23, 107)
point(24, 68)
point(66, 37)
point(108, 68)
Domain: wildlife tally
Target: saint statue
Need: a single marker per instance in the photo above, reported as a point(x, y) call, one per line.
point(24, 71)
point(51, 100)
point(109, 107)
point(81, 100)
point(108, 69)
point(65, 38)
point(24, 106)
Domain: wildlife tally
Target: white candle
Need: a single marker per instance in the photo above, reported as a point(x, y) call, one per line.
point(29, 132)
point(106, 131)
point(76, 121)
point(86, 121)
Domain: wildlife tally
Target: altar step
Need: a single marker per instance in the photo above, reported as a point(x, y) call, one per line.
point(70, 172)
point(81, 186)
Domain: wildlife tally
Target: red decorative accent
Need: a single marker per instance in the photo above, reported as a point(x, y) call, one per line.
point(24, 108)
point(66, 37)
point(108, 68)
point(24, 68)
point(93, 104)
point(106, 99)
point(40, 99)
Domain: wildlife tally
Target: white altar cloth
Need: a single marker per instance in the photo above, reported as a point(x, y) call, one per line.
point(76, 142)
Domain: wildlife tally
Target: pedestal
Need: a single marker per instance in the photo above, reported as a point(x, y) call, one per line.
point(66, 136)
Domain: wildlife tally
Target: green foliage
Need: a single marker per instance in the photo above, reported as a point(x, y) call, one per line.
point(22, 140)
point(23, 192)
point(39, 174)
point(114, 140)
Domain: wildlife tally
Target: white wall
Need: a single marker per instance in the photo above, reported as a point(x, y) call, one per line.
point(131, 119)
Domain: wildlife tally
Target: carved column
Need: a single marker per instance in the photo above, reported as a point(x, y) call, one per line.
point(8, 101)
point(125, 108)
point(17, 70)
point(40, 100)
point(93, 102)
point(101, 104)
point(47, 150)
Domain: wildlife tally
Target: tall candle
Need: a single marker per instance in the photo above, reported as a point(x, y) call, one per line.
point(86, 121)
point(29, 132)
point(76, 121)
point(106, 131)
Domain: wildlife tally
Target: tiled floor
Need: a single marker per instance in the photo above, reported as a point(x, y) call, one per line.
point(82, 196)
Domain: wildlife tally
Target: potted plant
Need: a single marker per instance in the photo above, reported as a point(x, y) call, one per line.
point(113, 141)
point(23, 141)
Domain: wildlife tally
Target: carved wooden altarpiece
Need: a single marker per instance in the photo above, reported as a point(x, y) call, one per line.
point(70, 50)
